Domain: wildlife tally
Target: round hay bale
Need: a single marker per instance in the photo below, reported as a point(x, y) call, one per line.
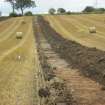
point(19, 35)
point(23, 21)
point(92, 29)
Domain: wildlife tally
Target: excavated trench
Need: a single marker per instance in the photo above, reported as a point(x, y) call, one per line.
point(73, 73)
point(89, 61)
point(56, 91)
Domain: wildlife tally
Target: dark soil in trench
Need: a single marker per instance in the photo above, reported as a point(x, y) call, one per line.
point(90, 61)
point(58, 91)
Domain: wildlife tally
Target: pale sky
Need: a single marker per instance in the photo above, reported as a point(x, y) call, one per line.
point(44, 5)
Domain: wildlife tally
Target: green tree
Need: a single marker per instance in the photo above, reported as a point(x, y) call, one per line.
point(23, 4)
point(61, 10)
point(29, 13)
point(68, 12)
point(52, 11)
point(89, 9)
point(13, 14)
point(12, 2)
point(100, 10)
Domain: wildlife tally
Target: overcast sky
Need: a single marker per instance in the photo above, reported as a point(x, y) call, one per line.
point(44, 5)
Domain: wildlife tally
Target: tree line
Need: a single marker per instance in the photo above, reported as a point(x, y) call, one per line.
point(88, 9)
point(58, 11)
point(23, 4)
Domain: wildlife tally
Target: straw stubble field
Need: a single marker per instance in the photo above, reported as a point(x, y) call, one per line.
point(80, 53)
point(18, 63)
point(76, 27)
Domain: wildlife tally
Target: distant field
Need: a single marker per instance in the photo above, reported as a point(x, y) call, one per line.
point(76, 27)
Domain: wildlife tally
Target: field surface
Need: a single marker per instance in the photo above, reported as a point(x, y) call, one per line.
point(52, 48)
point(76, 27)
point(18, 63)
point(76, 59)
